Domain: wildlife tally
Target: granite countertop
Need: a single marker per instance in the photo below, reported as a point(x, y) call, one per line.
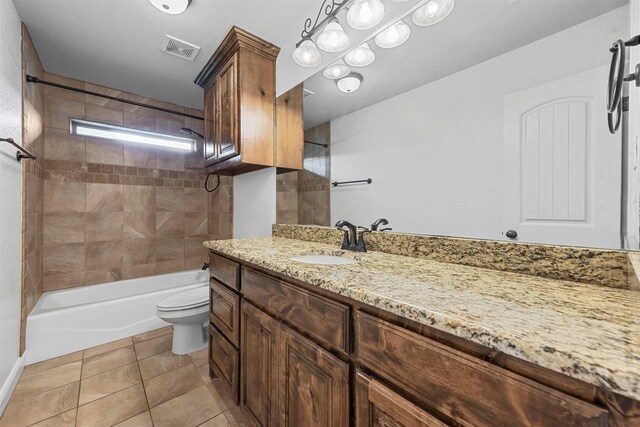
point(586, 331)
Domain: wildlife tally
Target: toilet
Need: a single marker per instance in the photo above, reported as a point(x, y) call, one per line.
point(188, 311)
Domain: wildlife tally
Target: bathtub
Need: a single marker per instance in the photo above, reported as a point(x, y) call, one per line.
point(75, 319)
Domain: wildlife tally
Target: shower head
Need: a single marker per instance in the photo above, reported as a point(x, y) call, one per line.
point(191, 132)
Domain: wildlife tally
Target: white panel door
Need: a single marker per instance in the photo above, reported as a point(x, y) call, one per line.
point(561, 166)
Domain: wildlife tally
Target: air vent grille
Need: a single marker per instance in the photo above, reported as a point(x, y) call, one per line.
point(180, 48)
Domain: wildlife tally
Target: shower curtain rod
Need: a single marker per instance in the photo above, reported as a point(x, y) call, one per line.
point(31, 79)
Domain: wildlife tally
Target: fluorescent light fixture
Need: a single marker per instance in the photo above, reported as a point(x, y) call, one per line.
point(119, 133)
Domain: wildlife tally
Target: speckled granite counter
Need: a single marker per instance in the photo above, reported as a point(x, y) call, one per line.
point(586, 331)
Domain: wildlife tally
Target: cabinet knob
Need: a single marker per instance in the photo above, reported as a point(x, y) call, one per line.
point(511, 234)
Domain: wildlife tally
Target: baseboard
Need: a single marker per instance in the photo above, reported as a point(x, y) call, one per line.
point(10, 384)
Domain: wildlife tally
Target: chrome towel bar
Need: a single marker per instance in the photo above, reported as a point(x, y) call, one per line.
point(23, 153)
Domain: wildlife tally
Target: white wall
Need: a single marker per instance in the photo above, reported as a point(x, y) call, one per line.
point(10, 197)
point(254, 203)
point(632, 126)
point(435, 153)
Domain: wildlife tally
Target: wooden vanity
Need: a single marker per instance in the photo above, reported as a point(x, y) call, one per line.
point(293, 354)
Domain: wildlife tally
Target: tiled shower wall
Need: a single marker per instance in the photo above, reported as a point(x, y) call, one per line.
point(303, 196)
point(32, 183)
point(116, 211)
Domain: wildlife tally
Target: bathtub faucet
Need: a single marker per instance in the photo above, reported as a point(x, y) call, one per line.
point(205, 265)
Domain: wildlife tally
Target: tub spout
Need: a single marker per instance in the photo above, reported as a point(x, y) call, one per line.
point(205, 266)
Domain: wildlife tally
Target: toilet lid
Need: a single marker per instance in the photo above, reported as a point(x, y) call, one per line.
point(185, 300)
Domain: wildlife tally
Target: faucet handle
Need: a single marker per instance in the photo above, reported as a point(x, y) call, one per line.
point(387, 229)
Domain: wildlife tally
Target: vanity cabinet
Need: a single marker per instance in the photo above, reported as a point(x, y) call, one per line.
point(298, 355)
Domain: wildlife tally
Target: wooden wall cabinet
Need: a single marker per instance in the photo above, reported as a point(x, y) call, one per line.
point(240, 108)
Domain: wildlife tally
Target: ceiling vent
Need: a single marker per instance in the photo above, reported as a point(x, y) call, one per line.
point(180, 48)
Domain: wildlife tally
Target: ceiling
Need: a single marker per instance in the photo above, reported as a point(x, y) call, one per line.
point(476, 31)
point(116, 43)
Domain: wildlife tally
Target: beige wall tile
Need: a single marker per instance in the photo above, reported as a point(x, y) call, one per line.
point(96, 113)
point(104, 151)
point(104, 198)
point(139, 198)
point(52, 91)
point(63, 259)
point(169, 224)
point(62, 197)
point(139, 251)
point(63, 228)
point(104, 226)
point(62, 281)
point(196, 223)
point(169, 159)
point(140, 224)
point(193, 247)
point(170, 266)
point(102, 276)
point(169, 249)
point(140, 156)
point(195, 200)
point(58, 111)
point(104, 255)
point(170, 199)
point(143, 120)
point(134, 271)
point(59, 144)
point(103, 102)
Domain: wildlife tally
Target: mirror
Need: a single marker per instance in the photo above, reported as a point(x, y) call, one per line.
point(490, 124)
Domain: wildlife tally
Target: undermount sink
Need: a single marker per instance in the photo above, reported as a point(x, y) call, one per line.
point(324, 259)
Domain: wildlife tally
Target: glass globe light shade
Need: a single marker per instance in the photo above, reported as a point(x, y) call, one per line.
point(307, 55)
point(360, 56)
point(432, 12)
point(337, 70)
point(365, 14)
point(333, 38)
point(393, 36)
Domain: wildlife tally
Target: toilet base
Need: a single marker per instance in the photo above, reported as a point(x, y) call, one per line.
point(189, 338)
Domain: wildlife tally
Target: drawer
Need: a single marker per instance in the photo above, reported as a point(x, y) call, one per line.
point(224, 311)
point(224, 361)
point(465, 389)
point(320, 317)
point(377, 405)
point(224, 271)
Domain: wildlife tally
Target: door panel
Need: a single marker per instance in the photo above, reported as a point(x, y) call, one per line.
point(258, 360)
point(561, 167)
point(227, 113)
point(314, 384)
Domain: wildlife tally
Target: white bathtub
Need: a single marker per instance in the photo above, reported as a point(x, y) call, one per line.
point(74, 319)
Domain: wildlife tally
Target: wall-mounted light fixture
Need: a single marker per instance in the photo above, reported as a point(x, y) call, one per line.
point(119, 133)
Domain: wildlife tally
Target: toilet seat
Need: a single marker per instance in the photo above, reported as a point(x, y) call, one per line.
point(185, 300)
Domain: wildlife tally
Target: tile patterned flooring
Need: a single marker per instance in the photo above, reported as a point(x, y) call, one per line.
point(135, 381)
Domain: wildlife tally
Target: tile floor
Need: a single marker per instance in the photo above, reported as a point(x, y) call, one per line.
point(135, 381)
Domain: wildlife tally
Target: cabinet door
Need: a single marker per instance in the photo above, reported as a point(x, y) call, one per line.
point(313, 385)
point(226, 111)
point(210, 154)
point(258, 360)
point(378, 406)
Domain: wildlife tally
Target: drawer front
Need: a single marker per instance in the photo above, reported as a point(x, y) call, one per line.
point(326, 320)
point(225, 311)
point(377, 405)
point(465, 389)
point(224, 361)
point(224, 271)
